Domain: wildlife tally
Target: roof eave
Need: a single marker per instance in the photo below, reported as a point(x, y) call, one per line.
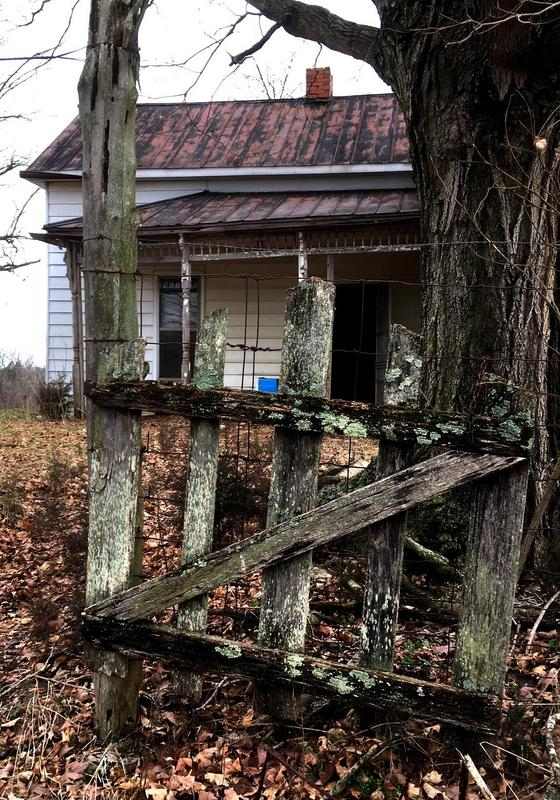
point(403, 169)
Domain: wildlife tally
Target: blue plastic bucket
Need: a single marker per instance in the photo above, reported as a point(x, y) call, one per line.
point(268, 385)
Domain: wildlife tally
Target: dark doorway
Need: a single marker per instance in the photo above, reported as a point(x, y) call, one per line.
point(361, 323)
point(170, 324)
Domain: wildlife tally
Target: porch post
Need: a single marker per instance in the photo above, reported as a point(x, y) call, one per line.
point(303, 267)
point(330, 268)
point(186, 287)
point(75, 281)
point(330, 279)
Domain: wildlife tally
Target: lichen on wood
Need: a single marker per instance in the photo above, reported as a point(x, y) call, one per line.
point(299, 413)
point(344, 515)
point(108, 97)
point(396, 693)
point(492, 556)
point(200, 501)
point(305, 365)
point(386, 540)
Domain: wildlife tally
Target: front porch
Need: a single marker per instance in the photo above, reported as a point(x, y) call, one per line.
point(196, 255)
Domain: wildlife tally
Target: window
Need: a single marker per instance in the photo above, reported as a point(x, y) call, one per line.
point(170, 324)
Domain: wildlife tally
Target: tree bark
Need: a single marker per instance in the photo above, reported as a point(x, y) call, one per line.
point(480, 99)
point(488, 192)
point(490, 216)
point(108, 111)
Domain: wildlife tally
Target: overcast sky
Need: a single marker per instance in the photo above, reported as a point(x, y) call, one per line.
point(172, 31)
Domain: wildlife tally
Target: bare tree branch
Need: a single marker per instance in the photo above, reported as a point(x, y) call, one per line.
point(34, 14)
point(313, 22)
point(241, 57)
point(10, 240)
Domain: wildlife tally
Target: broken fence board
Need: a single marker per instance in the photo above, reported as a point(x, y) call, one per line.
point(345, 515)
point(195, 651)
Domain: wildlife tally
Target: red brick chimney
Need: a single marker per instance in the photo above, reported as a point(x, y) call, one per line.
point(319, 83)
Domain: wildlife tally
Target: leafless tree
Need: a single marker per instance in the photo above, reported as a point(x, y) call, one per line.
point(16, 70)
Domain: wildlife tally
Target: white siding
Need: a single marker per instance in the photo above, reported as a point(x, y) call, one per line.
point(65, 202)
point(59, 338)
point(256, 318)
point(146, 298)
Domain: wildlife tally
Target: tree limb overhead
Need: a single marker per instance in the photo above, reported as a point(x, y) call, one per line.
point(313, 22)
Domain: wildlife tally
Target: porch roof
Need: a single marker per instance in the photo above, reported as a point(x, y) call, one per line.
point(216, 212)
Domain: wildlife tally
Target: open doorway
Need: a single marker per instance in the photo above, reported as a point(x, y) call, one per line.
point(361, 329)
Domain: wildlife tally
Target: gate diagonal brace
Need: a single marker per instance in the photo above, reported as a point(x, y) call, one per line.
point(348, 514)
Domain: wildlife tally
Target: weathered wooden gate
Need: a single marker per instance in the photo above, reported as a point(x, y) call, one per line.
point(490, 450)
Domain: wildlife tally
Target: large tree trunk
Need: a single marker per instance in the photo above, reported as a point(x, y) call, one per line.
point(482, 118)
point(482, 121)
point(479, 90)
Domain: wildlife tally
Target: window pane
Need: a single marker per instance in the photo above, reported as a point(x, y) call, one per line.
point(170, 324)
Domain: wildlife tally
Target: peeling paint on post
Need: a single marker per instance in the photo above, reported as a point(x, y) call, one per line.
point(108, 97)
point(386, 540)
point(202, 476)
point(306, 356)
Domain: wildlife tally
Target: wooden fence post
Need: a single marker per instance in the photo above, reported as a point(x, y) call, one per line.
point(306, 354)
point(108, 97)
point(386, 540)
point(495, 530)
point(200, 502)
point(497, 510)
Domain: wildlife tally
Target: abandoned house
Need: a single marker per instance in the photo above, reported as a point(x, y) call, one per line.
point(248, 195)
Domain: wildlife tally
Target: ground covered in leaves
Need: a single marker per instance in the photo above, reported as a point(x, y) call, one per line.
point(225, 746)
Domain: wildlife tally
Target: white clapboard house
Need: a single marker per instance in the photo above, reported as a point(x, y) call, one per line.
point(252, 190)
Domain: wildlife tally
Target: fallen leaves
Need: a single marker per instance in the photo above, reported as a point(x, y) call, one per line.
point(226, 750)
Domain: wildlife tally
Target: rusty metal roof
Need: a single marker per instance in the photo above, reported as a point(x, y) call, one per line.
point(215, 211)
point(361, 129)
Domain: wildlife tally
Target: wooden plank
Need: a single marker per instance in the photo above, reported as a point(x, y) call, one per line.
point(386, 540)
point(492, 557)
point(198, 525)
point(511, 434)
point(342, 516)
point(306, 358)
point(384, 690)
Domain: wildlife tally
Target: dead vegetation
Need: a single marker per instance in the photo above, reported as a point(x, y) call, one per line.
point(224, 748)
